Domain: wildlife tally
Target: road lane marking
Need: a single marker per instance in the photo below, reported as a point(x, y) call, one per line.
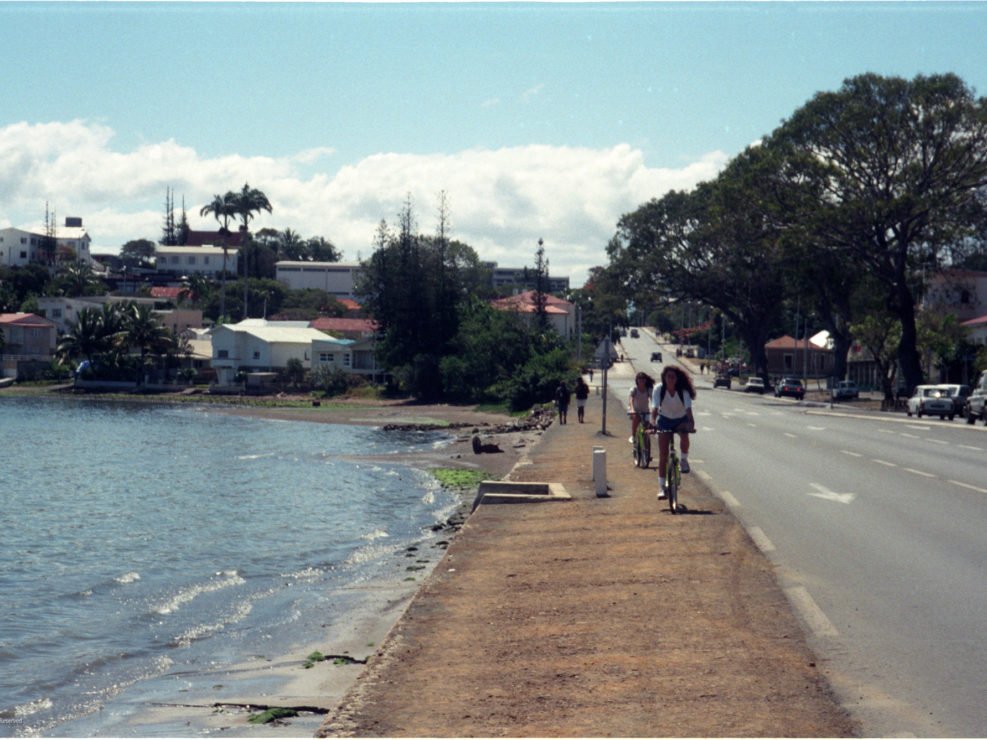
point(884, 462)
point(814, 616)
point(817, 429)
point(910, 436)
point(704, 475)
point(971, 447)
point(851, 453)
point(792, 436)
point(960, 483)
point(919, 472)
point(937, 441)
point(761, 540)
point(729, 500)
point(921, 429)
point(824, 493)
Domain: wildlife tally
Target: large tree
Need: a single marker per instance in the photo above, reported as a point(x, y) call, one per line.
point(900, 167)
point(719, 245)
point(246, 204)
point(221, 207)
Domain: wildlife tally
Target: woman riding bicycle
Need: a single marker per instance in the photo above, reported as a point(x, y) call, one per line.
point(671, 408)
point(638, 401)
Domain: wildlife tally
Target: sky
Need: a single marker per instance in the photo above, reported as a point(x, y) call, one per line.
point(537, 120)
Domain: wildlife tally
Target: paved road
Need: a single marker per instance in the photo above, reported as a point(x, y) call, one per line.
point(878, 527)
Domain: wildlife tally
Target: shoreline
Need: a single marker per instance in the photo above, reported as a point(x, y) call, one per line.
point(218, 701)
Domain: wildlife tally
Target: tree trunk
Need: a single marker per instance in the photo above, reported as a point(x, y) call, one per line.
point(908, 356)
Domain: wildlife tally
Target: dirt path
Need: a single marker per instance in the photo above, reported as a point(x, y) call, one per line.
point(595, 617)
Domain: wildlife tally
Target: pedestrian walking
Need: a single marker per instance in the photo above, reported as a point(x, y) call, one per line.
point(582, 393)
point(562, 396)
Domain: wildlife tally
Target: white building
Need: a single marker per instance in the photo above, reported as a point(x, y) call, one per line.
point(355, 356)
point(20, 247)
point(207, 261)
point(259, 345)
point(338, 279)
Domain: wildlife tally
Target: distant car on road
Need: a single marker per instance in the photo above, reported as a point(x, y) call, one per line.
point(635, 334)
point(931, 400)
point(790, 387)
point(656, 356)
point(846, 389)
point(958, 393)
point(722, 380)
point(976, 404)
point(754, 385)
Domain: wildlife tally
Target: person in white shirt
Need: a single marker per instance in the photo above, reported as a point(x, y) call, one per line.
point(671, 410)
point(638, 401)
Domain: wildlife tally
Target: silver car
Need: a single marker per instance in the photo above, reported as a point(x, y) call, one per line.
point(931, 400)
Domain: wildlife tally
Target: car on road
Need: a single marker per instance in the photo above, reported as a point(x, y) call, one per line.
point(656, 356)
point(635, 334)
point(791, 387)
point(754, 385)
point(931, 400)
point(976, 403)
point(958, 393)
point(722, 380)
point(845, 389)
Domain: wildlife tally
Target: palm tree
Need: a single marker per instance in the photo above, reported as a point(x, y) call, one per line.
point(143, 332)
point(87, 337)
point(222, 209)
point(246, 204)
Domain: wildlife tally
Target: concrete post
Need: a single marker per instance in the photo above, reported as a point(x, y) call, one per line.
point(600, 471)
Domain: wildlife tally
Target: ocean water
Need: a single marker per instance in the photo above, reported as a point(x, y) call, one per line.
point(139, 543)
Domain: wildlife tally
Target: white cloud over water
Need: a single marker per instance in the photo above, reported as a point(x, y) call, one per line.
point(501, 201)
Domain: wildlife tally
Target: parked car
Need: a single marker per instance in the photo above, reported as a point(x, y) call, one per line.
point(846, 389)
point(790, 387)
point(976, 403)
point(958, 393)
point(722, 380)
point(931, 400)
point(754, 385)
point(656, 356)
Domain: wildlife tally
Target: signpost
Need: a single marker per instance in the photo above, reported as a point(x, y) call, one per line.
point(604, 358)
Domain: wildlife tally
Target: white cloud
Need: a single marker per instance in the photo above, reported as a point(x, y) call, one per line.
point(501, 201)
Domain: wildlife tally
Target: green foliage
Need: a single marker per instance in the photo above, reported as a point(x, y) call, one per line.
point(334, 382)
point(274, 713)
point(458, 477)
point(536, 381)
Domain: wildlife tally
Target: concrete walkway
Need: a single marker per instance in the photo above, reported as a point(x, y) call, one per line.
point(598, 616)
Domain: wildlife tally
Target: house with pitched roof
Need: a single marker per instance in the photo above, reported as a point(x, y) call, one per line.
point(28, 340)
point(561, 314)
point(260, 346)
point(811, 357)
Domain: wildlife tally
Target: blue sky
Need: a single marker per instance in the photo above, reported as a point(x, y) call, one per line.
point(544, 120)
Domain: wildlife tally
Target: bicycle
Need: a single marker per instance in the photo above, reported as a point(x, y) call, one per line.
point(673, 474)
point(642, 442)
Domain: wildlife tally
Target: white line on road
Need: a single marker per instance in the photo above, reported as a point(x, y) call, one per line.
point(818, 622)
point(967, 485)
point(792, 436)
point(884, 462)
point(851, 453)
point(707, 478)
point(729, 500)
point(971, 447)
point(919, 472)
point(761, 540)
point(910, 436)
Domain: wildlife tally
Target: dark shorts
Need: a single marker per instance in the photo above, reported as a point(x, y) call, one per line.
point(671, 425)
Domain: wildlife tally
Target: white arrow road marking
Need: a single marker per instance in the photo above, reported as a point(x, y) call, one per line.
point(824, 493)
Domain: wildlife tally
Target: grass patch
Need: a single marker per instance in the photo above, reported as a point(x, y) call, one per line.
point(262, 718)
point(458, 477)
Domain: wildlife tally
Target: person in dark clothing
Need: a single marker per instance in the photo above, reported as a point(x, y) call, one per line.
point(582, 393)
point(562, 397)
